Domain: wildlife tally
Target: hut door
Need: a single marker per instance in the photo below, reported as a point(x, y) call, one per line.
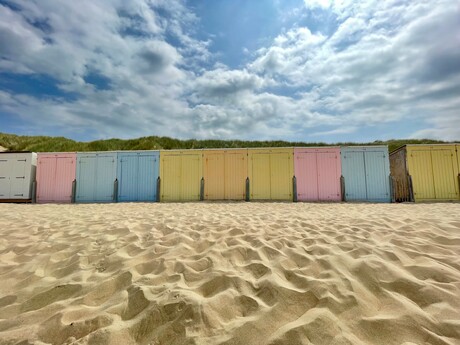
point(328, 181)
point(105, 178)
point(19, 185)
point(171, 178)
point(147, 177)
point(190, 177)
point(5, 174)
point(307, 176)
point(46, 184)
point(280, 177)
point(65, 174)
point(377, 176)
point(86, 184)
point(214, 185)
point(445, 174)
point(355, 176)
point(422, 175)
point(260, 184)
point(236, 171)
point(127, 185)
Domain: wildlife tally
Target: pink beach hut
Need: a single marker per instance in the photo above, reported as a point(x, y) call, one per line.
point(55, 177)
point(317, 172)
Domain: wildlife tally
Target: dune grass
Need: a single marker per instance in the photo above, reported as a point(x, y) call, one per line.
point(60, 144)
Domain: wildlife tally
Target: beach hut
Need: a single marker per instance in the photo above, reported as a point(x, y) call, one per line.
point(426, 172)
point(17, 174)
point(55, 177)
point(225, 173)
point(137, 174)
point(181, 175)
point(271, 173)
point(317, 172)
point(366, 173)
point(96, 177)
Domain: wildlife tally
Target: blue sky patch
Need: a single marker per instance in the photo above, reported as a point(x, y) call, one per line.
point(35, 85)
point(99, 81)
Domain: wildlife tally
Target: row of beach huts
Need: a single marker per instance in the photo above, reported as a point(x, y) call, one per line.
point(369, 174)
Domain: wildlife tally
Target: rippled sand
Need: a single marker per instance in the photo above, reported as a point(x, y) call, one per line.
point(230, 273)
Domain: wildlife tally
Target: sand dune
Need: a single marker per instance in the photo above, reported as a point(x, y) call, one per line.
point(230, 273)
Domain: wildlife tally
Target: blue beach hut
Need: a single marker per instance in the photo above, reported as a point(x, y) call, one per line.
point(137, 175)
point(366, 173)
point(96, 177)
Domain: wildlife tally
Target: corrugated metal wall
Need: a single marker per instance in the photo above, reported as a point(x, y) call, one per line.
point(318, 172)
point(96, 174)
point(180, 173)
point(17, 172)
point(366, 172)
point(270, 173)
point(137, 175)
point(225, 173)
point(55, 175)
point(434, 171)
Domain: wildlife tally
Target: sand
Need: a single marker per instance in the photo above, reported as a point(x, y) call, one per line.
point(230, 273)
point(2, 149)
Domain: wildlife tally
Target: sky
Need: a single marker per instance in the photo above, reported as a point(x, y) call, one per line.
point(296, 70)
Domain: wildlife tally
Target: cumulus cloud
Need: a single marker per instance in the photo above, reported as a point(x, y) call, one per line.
point(158, 56)
point(123, 42)
point(380, 65)
point(341, 130)
point(290, 50)
point(222, 84)
point(318, 3)
point(137, 67)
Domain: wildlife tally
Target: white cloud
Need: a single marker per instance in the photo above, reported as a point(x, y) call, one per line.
point(378, 66)
point(443, 133)
point(384, 62)
point(17, 37)
point(318, 3)
point(121, 41)
point(222, 84)
point(332, 132)
point(289, 51)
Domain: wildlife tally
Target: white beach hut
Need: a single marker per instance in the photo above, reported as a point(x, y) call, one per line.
point(17, 174)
